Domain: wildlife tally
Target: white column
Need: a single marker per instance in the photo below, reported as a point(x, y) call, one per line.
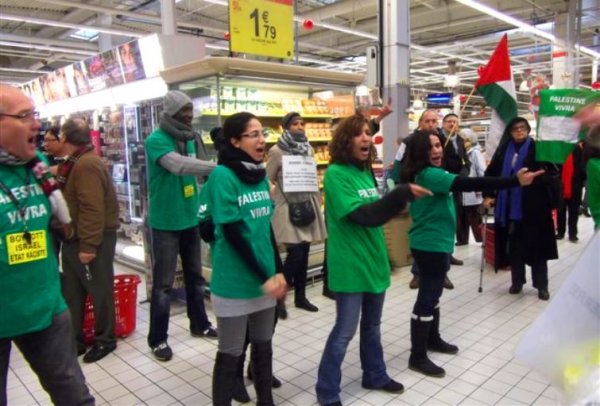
point(167, 17)
point(396, 72)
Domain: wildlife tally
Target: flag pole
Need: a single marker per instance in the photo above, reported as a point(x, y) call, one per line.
point(462, 109)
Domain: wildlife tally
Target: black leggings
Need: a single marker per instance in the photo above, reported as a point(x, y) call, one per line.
point(433, 267)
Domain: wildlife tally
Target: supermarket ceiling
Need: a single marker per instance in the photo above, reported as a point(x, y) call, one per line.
point(42, 35)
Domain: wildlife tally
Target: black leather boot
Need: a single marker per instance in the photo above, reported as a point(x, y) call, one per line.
point(224, 373)
point(418, 361)
point(261, 355)
point(436, 343)
point(239, 388)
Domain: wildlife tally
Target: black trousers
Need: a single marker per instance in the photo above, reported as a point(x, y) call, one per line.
point(296, 266)
point(516, 247)
point(569, 208)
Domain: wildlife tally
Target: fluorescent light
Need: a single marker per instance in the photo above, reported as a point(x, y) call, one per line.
point(506, 18)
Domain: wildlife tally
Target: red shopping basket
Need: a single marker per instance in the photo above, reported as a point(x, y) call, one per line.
point(125, 308)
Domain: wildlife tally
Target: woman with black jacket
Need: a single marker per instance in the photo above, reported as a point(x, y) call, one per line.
point(523, 226)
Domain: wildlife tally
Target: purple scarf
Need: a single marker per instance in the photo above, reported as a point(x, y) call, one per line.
point(509, 204)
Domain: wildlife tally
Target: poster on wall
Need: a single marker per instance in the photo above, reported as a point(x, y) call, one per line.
point(112, 69)
point(130, 58)
point(130, 118)
point(77, 79)
point(96, 74)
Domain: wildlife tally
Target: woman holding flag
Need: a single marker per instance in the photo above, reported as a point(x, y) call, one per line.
point(524, 230)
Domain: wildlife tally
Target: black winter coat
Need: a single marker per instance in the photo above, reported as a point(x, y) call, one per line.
point(538, 227)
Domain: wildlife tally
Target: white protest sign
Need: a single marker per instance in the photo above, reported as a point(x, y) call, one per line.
point(299, 174)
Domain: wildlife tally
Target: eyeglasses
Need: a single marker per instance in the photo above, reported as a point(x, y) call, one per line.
point(519, 128)
point(26, 117)
point(254, 134)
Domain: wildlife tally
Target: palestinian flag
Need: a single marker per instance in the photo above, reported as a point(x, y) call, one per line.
point(497, 87)
point(557, 130)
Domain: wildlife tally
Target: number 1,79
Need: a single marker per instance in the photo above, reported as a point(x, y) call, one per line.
point(270, 30)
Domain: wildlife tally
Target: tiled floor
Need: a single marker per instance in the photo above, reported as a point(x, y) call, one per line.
point(486, 326)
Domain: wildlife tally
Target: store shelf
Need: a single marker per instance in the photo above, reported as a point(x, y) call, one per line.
point(266, 115)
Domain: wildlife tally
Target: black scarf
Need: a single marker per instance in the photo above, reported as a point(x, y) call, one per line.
point(246, 168)
point(182, 133)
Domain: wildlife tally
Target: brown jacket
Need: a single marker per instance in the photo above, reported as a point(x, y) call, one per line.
point(92, 201)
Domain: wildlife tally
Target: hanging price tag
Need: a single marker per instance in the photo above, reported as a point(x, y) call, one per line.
point(262, 27)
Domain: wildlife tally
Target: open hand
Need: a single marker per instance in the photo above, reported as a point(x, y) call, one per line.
point(526, 177)
point(419, 191)
point(385, 111)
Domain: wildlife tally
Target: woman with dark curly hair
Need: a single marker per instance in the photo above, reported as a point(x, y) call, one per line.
point(358, 265)
point(431, 239)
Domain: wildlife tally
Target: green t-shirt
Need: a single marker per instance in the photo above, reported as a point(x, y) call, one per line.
point(434, 217)
point(234, 201)
point(357, 259)
point(29, 281)
point(593, 189)
point(174, 200)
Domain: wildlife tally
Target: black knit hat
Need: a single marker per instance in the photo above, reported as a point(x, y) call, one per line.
point(287, 120)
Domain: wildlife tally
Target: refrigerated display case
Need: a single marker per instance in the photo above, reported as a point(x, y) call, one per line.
point(222, 86)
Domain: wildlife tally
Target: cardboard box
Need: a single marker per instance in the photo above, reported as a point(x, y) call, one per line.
point(396, 240)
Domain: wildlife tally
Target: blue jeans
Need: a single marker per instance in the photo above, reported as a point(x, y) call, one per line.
point(166, 245)
point(349, 307)
point(51, 355)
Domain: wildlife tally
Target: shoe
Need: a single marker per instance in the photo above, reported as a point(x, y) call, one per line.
point(414, 283)
point(448, 283)
point(515, 289)
point(209, 332)
point(573, 239)
point(240, 394)
point(338, 403)
point(543, 294)
point(560, 236)
point(162, 352)
point(282, 313)
point(306, 305)
point(391, 387)
point(459, 244)
point(97, 352)
point(454, 261)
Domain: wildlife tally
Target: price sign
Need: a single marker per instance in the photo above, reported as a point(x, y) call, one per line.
point(262, 27)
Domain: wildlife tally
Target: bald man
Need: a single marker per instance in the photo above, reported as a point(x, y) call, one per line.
point(33, 314)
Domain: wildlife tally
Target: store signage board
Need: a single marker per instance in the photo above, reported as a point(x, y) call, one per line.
point(299, 174)
point(262, 27)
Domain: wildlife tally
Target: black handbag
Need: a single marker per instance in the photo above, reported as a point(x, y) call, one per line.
point(301, 213)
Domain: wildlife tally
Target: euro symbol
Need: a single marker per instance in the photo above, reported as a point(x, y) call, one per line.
point(265, 16)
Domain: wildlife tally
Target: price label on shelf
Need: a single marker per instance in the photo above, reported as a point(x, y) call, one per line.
point(262, 27)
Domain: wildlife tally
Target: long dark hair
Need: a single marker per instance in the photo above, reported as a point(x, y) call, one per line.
point(340, 147)
point(417, 154)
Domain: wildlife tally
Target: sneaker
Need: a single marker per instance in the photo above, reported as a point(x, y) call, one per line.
point(97, 352)
point(162, 352)
point(209, 332)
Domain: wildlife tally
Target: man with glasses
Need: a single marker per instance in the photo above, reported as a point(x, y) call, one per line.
point(52, 145)
point(33, 314)
point(176, 156)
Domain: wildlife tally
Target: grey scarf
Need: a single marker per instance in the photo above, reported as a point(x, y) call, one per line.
point(182, 134)
point(294, 143)
point(10, 160)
